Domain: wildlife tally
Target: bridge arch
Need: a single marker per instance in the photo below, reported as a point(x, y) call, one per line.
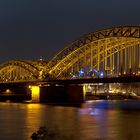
point(112, 51)
point(20, 71)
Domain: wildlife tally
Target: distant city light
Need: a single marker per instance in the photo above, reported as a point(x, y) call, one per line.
point(8, 91)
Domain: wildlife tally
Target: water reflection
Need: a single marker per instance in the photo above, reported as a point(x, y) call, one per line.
point(111, 120)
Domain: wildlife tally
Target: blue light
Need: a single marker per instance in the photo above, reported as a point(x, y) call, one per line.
point(93, 113)
point(101, 74)
point(81, 73)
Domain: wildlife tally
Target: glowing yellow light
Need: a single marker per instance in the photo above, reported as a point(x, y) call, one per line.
point(84, 91)
point(33, 106)
point(35, 93)
point(8, 91)
point(40, 74)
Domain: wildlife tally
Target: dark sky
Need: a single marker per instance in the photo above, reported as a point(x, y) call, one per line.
point(33, 28)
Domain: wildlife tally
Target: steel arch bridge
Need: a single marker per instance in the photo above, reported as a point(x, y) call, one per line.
point(23, 70)
point(111, 52)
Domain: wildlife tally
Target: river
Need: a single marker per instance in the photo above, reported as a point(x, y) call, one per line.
point(94, 120)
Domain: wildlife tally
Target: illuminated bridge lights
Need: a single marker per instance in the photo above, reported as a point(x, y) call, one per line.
point(35, 92)
point(91, 73)
point(86, 72)
point(112, 52)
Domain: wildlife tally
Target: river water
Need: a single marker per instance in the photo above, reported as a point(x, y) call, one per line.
point(94, 120)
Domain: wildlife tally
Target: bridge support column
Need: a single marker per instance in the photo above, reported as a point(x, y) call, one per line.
point(67, 94)
point(74, 93)
point(35, 93)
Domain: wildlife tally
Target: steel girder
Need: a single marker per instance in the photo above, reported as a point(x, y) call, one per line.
point(122, 31)
point(91, 49)
point(101, 50)
point(18, 71)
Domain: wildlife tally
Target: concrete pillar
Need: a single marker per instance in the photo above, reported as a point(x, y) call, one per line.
point(71, 94)
point(35, 94)
point(52, 94)
point(74, 94)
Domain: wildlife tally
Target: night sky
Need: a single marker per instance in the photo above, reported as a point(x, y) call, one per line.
point(33, 28)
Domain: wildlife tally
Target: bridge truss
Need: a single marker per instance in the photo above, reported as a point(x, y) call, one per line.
point(110, 52)
point(16, 71)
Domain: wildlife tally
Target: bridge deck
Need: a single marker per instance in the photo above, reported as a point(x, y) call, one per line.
point(121, 79)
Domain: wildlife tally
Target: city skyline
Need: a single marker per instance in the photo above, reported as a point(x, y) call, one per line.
point(33, 29)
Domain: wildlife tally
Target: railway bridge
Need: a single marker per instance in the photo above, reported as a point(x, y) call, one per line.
point(110, 55)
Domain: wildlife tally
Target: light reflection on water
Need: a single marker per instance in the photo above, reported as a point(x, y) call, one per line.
point(109, 120)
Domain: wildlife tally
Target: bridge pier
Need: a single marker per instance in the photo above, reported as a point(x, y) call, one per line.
point(35, 93)
point(71, 94)
point(57, 94)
